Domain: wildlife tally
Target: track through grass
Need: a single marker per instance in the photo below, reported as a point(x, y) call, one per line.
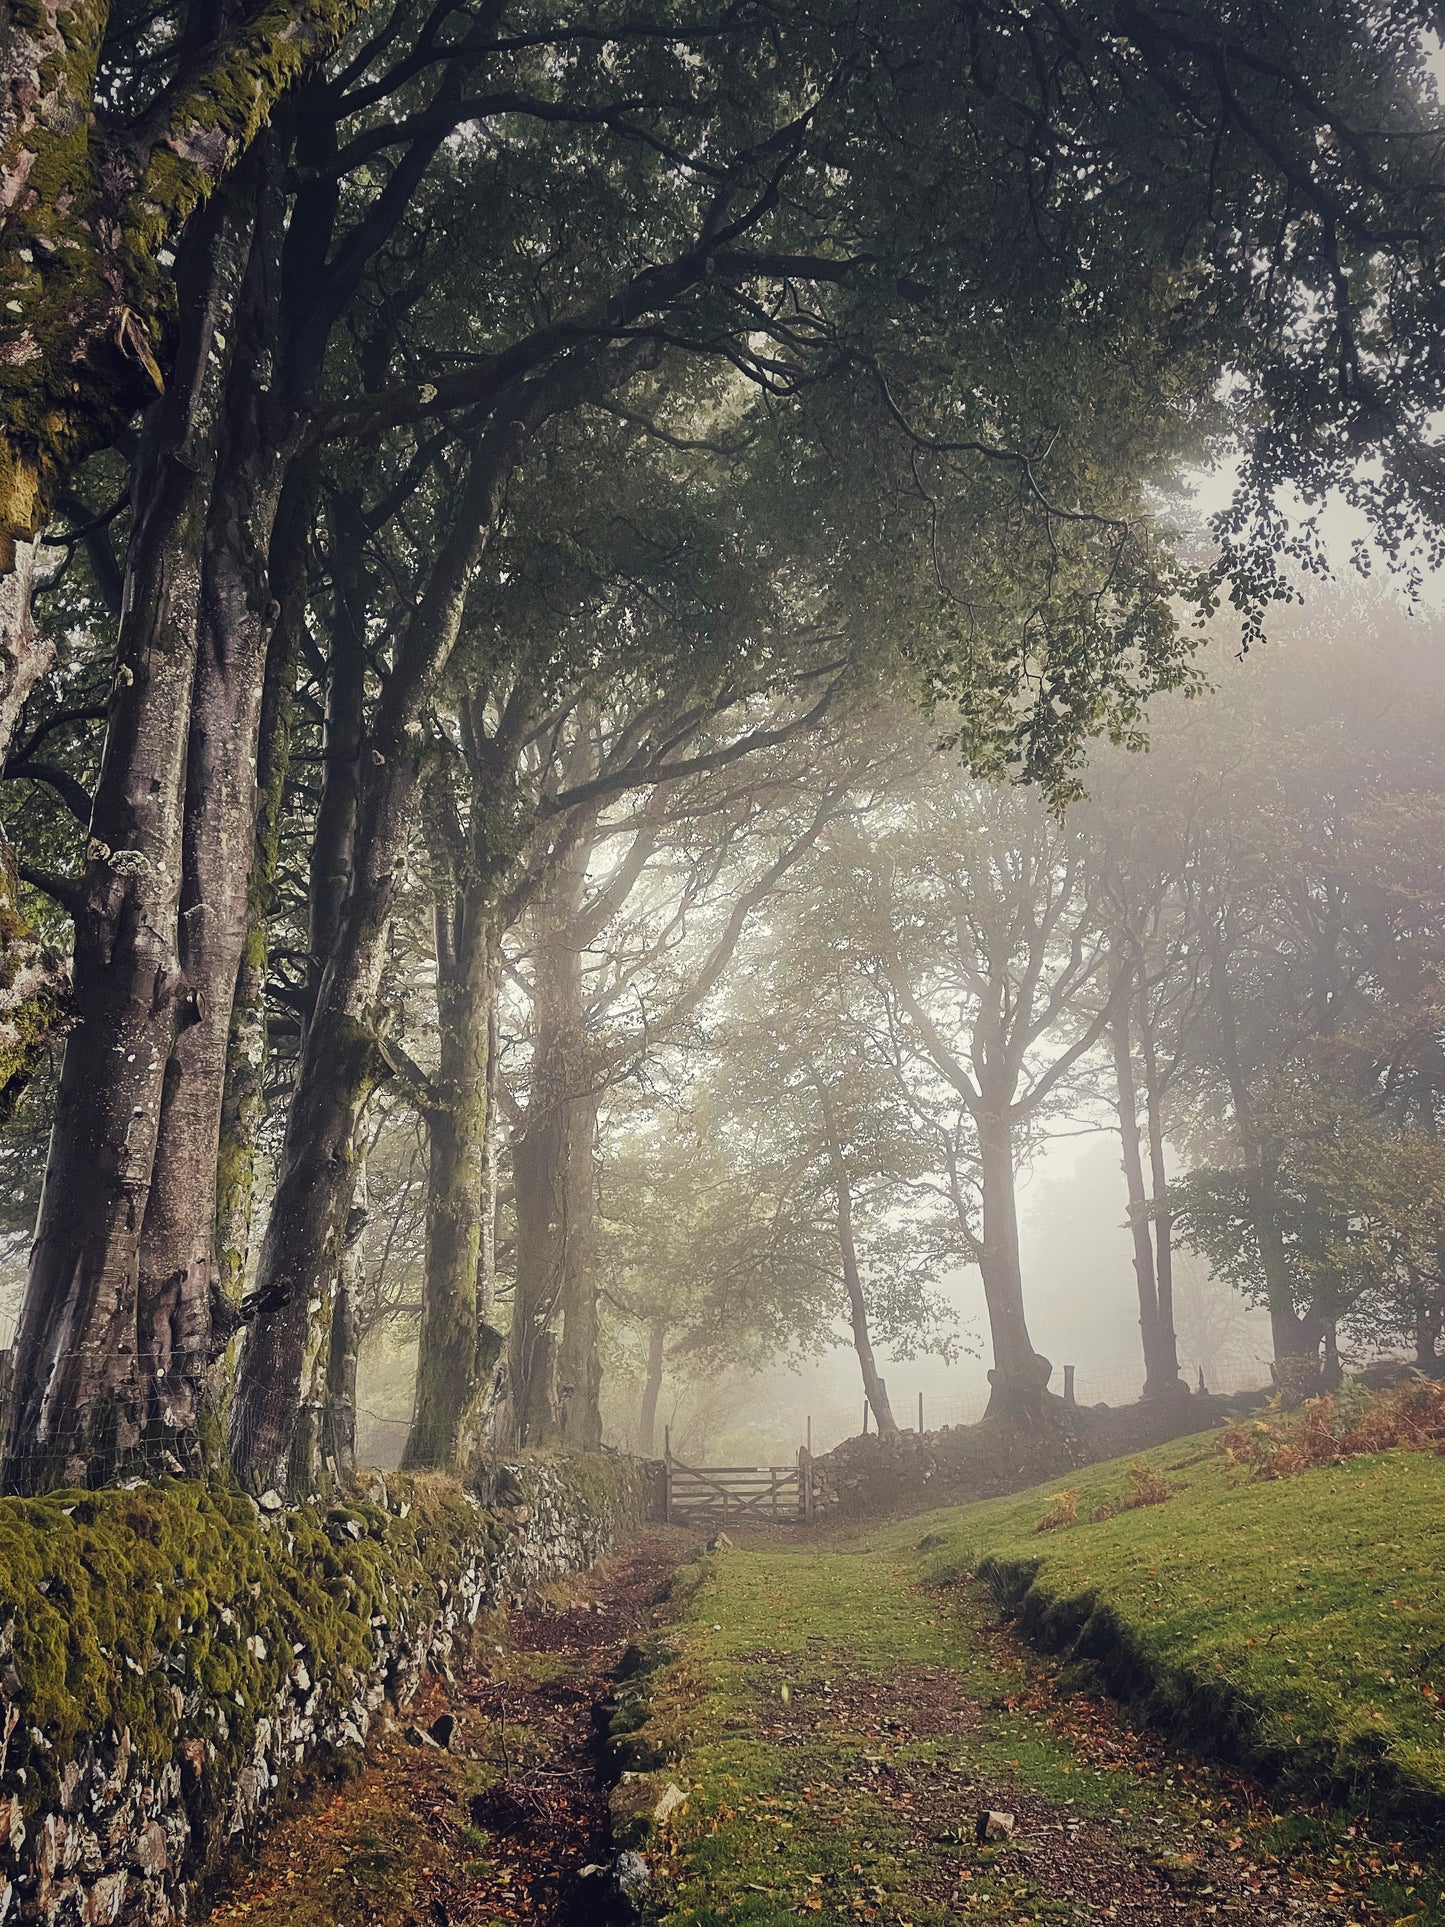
point(850, 1709)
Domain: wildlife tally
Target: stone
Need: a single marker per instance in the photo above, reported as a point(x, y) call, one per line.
point(673, 1801)
point(719, 1542)
point(271, 1500)
point(414, 1736)
point(993, 1826)
point(12, 1823)
point(442, 1729)
point(150, 1852)
point(632, 1874)
point(104, 1899)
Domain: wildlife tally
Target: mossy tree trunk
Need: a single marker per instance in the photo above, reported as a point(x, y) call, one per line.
point(459, 1346)
point(343, 1340)
point(553, 1361)
point(178, 1272)
point(86, 216)
point(81, 1406)
point(342, 1056)
point(243, 1096)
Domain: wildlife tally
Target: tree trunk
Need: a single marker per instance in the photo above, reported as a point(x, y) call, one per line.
point(457, 1351)
point(25, 652)
point(1161, 1373)
point(86, 213)
point(341, 1057)
point(1428, 1326)
point(1020, 1376)
point(178, 1274)
point(32, 987)
point(243, 1098)
point(552, 1176)
point(874, 1389)
point(1159, 1184)
point(343, 1342)
point(81, 1411)
point(1296, 1340)
point(554, 1368)
point(651, 1388)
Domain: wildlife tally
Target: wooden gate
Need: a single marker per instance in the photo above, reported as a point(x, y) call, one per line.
point(723, 1495)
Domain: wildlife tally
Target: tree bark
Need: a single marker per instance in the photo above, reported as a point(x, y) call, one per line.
point(81, 1410)
point(651, 1388)
point(178, 1272)
point(458, 1347)
point(341, 1057)
point(1159, 1184)
point(1296, 1340)
point(243, 1097)
point(86, 217)
point(26, 652)
point(1161, 1370)
point(874, 1389)
point(343, 1341)
point(553, 1362)
point(1020, 1375)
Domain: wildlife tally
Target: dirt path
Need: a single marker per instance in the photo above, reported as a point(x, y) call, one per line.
point(497, 1827)
point(846, 1729)
point(842, 1731)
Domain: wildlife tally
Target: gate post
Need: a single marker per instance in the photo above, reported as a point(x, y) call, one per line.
point(667, 1475)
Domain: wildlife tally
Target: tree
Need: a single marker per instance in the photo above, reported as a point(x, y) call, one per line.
point(642, 199)
point(991, 957)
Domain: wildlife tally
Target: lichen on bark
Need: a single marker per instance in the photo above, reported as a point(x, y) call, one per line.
point(86, 218)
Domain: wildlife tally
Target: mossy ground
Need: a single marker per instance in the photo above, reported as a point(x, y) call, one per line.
point(839, 1714)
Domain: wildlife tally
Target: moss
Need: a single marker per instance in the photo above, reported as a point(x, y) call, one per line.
point(171, 1614)
point(34, 990)
point(94, 299)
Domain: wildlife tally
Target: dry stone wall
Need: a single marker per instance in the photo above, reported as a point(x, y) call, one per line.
point(173, 1660)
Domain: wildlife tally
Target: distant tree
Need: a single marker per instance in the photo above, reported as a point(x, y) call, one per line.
point(992, 958)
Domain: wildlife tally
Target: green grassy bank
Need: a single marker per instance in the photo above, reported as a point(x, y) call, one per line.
point(1295, 1626)
point(839, 1713)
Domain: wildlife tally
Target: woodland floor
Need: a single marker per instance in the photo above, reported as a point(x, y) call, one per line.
point(844, 1728)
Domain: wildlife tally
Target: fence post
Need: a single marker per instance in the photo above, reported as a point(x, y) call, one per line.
point(920, 1415)
point(865, 1418)
point(1068, 1384)
point(667, 1475)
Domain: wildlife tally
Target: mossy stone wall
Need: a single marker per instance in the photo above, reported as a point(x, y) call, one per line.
point(171, 1657)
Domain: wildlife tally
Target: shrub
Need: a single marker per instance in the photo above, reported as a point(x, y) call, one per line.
point(1340, 1425)
point(1063, 1511)
point(1145, 1485)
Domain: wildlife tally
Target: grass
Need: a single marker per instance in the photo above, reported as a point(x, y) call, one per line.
point(773, 1830)
point(1295, 1625)
point(1298, 1621)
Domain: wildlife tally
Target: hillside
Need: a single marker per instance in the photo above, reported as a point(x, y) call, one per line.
point(840, 1712)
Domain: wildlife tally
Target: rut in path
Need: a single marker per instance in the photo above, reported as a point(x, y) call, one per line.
point(500, 1827)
